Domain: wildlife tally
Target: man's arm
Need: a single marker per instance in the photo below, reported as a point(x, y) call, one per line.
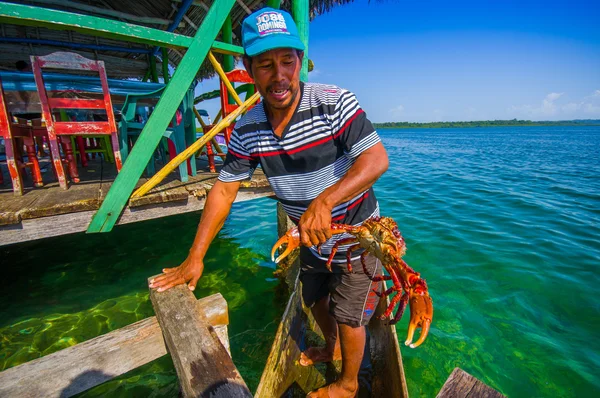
point(316, 220)
point(216, 209)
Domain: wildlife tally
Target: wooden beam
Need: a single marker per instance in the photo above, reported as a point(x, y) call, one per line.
point(224, 78)
point(60, 20)
point(46, 227)
point(244, 7)
point(152, 133)
point(195, 3)
point(225, 48)
point(192, 149)
point(185, 18)
point(460, 384)
point(78, 368)
point(203, 365)
point(105, 11)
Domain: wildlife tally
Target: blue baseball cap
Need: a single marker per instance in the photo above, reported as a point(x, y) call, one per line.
point(267, 29)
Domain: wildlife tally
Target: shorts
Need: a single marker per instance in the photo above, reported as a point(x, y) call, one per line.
point(353, 297)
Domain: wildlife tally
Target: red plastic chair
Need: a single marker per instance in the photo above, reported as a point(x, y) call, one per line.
point(235, 76)
point(51, 108)
point(15, 135)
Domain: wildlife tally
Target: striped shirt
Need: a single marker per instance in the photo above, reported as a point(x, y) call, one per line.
point(326, 134)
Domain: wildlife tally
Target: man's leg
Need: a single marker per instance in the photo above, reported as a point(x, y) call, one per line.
point(329, 328)
point(353, 302)
point(352, 341)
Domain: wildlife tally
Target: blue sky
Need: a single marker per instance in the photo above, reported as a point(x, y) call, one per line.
point(455, 60)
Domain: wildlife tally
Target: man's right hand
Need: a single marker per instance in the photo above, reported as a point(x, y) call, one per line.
point(189, 271)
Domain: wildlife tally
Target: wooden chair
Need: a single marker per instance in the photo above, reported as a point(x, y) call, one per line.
point(15, 135)
point(235, 76)
point(51, 107)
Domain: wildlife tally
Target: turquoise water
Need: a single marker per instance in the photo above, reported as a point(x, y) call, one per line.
point(504, 224)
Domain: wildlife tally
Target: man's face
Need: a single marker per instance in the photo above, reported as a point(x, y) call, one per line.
point(276, 74)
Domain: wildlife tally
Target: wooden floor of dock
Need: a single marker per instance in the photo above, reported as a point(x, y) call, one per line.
point(50, 211)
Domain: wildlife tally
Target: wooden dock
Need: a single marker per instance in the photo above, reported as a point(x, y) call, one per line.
point(78, 368)
point(50, 211)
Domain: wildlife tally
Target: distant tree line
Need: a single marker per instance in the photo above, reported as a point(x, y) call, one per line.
point(486, 123)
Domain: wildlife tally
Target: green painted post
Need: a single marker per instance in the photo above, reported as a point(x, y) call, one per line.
point(227, 37)
point(146, 75)
point(301, 17)
point(153, 70)
point(116, 199)
point(273, 3)
point(165, 64)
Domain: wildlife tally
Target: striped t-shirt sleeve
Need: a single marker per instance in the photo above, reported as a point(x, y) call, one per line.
point(355, 132)
point(238, 165)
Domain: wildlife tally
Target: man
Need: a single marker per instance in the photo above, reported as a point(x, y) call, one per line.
point(321, 156)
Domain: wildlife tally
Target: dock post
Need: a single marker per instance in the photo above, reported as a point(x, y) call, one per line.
point(203, 365)
point(460, 384)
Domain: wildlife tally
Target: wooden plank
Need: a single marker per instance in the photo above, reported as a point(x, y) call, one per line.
point(75, 103)
point(115, 201)
point(64, 224)
point(88, 364)
point(169, 193)
point(460, 384)
point(60, 20)
point(203, 365)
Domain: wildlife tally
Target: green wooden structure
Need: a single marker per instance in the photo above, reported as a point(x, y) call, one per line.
point(217, 20)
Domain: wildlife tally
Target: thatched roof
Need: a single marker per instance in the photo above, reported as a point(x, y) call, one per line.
point(156, 14)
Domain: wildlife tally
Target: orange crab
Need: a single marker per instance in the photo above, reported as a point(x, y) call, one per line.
point(380, 237)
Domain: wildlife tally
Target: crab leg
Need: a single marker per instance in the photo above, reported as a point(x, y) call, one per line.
point(334, 250)
point(401, 308)
point(374, 278)
point(349, 256)
point(387, 292)
point(390, 308)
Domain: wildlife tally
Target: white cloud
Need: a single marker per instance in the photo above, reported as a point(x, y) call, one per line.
point(553, 97)
point(397, 110)
point(315, 72)
point(550, 108)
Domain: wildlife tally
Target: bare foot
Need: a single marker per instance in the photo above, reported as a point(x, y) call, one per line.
point(335, 390)
point(315, 355)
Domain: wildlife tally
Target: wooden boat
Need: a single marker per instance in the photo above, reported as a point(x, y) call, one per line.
point(381, 374)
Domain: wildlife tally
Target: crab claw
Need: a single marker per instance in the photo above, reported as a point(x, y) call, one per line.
point(291, 239)
point(421, 314)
